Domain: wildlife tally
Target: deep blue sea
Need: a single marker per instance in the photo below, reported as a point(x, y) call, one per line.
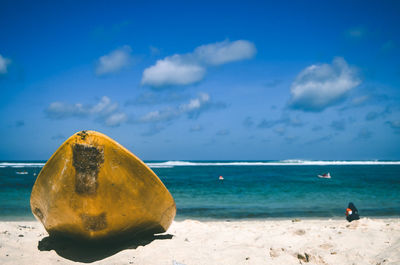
point(250, 189)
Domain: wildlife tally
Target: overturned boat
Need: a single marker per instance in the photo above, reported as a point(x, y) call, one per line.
point(92, 188)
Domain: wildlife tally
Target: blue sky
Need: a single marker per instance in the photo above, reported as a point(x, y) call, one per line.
point(233, 80)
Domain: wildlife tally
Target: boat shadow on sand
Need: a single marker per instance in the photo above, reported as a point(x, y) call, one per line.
point(87, 253)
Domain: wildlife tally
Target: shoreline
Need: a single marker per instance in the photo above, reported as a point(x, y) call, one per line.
point(193, 242)
point(233, 219)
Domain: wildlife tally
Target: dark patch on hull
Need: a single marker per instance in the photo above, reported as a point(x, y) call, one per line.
point(82, 134)
point(38, 213)
point(86, 160)
point(94, 222)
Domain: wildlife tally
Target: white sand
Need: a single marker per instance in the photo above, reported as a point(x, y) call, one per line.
point(368, 241)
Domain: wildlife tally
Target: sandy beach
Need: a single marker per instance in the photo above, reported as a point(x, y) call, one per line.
point(190, 242)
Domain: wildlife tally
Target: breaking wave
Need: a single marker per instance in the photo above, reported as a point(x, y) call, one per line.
point(170, 164)
point(20, 164)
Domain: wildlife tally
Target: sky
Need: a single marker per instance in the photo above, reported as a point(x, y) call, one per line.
point(203, 80)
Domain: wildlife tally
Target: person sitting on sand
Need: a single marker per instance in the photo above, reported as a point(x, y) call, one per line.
point(352, 213)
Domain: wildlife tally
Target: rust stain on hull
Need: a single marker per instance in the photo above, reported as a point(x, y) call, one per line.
point(86, 160)
point(94, 222)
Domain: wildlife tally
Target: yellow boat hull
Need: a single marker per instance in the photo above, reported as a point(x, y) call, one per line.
point(93, 188)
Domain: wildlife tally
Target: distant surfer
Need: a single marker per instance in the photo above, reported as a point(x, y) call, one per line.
point(352, 213)
point(221, 178)
point(325, 176)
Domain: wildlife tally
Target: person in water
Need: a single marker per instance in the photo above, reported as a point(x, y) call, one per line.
point(352, 213)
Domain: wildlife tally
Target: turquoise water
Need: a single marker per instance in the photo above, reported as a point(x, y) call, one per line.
point(269, 189)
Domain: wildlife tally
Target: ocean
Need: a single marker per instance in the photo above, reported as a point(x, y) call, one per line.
point(249, 190)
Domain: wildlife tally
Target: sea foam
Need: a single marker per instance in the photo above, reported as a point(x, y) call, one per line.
point(170, 164)
point(20, 164)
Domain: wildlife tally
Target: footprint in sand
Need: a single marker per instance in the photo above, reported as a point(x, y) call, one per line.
point(275, 252)
point(305, 258)
point(353, 225)
point(326, 246)
point(300, 232)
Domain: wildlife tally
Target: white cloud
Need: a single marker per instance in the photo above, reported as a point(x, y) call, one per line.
point(104, 107)
point(320, 86)
point(196, 128)
point(116, 119)
point(193, 109)
point(151, 98)
point(160, 115)
point(104, 111)
point(359, 100)
point(114, 61)
point(60, 110)
point(172, 71)
point(356, 32)
point(395, 125)
point(195, 104)
point(225, 52)
point(285, 119)
point(185, 69)
point(4, 62)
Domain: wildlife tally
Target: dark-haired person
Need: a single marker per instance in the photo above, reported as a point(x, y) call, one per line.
point(352, 213)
